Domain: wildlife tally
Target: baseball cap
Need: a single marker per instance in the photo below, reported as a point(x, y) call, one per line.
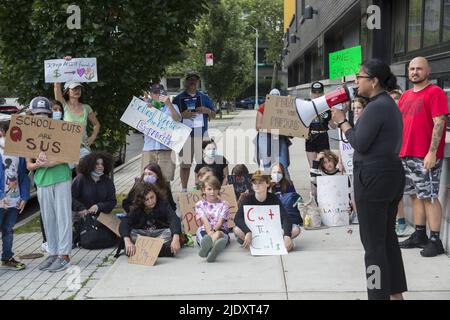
point(40, 105)
point(156, 88)
point(274, 92)
point(192, 74)
point(72, 85)
point(317, 86)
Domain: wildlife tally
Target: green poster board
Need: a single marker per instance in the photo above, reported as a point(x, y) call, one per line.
point(345, 62)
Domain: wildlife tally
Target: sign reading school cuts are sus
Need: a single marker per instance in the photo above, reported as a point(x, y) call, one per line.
point(345, 62)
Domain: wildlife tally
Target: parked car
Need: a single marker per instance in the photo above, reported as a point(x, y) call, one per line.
point(10, 106)
point(249, 102)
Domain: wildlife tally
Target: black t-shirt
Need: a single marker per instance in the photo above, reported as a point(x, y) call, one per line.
point(322, 123)
point(219, 164)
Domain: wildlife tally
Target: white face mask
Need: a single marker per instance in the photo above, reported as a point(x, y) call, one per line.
point(211, 153)
point(276, 177)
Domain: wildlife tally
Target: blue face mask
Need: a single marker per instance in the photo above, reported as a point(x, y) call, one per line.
point(150, 179)
point(96, 174)
point(57, 115)
point(211, 153)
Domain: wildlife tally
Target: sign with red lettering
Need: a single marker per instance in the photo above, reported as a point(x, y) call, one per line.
point(209, 57)
point(267, 235)
point(28, 136)
point(187, 206)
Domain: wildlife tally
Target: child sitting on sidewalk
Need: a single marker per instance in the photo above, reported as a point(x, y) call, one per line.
point(212, 236)
point(202, 174)
point(326, 163)
point(262, 197)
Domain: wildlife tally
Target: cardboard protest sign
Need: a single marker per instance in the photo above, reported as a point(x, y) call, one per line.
point(156, 125)
point(345, 62)
point(147, 251)
point(240, 184)
point(280, 113)
point(187, 207)
point(110, 221)
point(76, 69)
point(267, 235)
point(28, 136)
point(333, 200)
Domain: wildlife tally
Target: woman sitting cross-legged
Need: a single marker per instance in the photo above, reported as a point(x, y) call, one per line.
point(151, 216)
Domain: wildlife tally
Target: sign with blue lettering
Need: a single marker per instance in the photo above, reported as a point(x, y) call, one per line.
point(156, 125)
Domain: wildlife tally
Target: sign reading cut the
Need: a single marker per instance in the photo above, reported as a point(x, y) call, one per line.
point(28, 136)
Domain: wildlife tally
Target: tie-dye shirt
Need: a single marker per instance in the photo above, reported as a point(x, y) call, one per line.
point(213, 212)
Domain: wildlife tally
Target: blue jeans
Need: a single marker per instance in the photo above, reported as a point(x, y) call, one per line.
point(284, 154)
point(8, 218)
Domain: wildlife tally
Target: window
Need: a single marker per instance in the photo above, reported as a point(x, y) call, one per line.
point(173, 84)
point(432, 20)
point(414, 24)
point(399, 26)
point(446, 27)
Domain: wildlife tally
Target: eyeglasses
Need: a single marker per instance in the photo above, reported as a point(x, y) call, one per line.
point(362, 77)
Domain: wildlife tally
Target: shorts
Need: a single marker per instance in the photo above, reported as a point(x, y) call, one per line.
point(424, 184)
point(201, 234)
point(192, 146)
point(317, 143)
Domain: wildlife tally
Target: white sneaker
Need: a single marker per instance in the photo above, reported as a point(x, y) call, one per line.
point(44, 247)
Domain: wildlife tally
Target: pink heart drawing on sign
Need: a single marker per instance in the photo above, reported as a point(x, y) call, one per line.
point(81, 71)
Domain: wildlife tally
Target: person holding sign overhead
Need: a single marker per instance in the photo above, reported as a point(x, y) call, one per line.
point(53, 180)
point(196, 109)
point(262, 197)
point(153, 151)
point(379, 178)
point(76, 111)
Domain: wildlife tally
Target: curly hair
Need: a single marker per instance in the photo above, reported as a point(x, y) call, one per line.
point(87, 164)
point(141, 191)
point(331, 156)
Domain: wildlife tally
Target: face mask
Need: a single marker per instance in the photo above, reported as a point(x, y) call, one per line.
point(276, 177)
point(211, 153)
point(150, 179)
point(96, 174)
point(57, 115)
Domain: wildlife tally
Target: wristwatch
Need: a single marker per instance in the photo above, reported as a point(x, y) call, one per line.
point(341, 123)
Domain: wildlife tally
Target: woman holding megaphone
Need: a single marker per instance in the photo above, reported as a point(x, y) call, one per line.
point(378, 177)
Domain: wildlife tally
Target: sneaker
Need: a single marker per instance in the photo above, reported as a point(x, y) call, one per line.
point(13, 264)
point(416, 240)
point(44, 265)
point(218, 247)
point(206, 246)
point(44, 247)
point(432, 249)
point(403, 230)
point(59, 264)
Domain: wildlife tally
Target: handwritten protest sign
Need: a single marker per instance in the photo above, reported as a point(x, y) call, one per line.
point(240, 184)
point(76, 69)
point(333, 200)
point(280, 113)
point(345, 62)
point(156, 125)
point(267, 235)
point(147, 251)
point(346, 151)
point(28, 136)
point(187, 207)
point(110, 221)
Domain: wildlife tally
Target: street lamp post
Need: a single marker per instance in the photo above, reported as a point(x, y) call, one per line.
point(256, 69)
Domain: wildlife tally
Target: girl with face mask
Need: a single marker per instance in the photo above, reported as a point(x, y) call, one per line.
point(57, 110)
point(211, 159)
point(93, 192)
point(153, 175)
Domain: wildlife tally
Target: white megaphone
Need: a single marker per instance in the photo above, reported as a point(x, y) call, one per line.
point(308, 110)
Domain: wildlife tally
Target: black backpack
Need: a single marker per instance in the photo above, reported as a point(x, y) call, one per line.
point(92, 234)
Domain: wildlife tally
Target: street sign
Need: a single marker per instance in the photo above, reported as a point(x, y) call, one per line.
point(345, 62)
point(209, 59)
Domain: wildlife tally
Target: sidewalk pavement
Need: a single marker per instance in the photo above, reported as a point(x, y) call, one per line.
point(325, 264)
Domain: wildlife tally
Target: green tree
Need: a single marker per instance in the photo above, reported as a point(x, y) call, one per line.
point(133, 42)
point(223, 33)
point(267, 17)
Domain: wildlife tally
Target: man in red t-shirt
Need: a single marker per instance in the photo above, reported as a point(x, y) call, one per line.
point(424, 109)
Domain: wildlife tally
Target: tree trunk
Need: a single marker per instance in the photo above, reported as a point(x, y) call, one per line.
point(274, 75)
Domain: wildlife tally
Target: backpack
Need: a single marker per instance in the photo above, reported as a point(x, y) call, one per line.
point(94, 235)
point(288, 200)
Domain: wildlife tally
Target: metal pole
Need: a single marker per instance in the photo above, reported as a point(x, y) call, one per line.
point(256, 73)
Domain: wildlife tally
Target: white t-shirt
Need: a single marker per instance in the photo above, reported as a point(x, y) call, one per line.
point(11, 187)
